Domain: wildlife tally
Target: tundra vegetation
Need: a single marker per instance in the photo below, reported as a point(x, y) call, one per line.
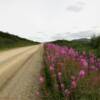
point(8, 41)
point(71, 70)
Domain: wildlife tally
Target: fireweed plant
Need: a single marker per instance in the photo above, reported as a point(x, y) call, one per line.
point(69, 75)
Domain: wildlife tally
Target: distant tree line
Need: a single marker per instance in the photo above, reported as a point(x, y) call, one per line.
point(95, 42)
point(87, 45)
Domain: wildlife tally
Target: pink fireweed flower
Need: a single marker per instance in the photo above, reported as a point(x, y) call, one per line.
point(41, 79)
point(84, 62)
point(73, 84)
point(92, 60)
point(93, 68)
point(67, 92)
point(84, 53)
point(59, 75)
point(98, 64)
point(62, 51)
point(81, 73)
point(51, 68)
point(37, 93)
point(92, 54)
point(62, 86)
point(49, 58)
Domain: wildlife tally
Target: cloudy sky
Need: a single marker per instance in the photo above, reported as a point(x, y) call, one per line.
point(45, 20)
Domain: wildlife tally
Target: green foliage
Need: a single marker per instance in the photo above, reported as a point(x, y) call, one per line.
point(87, 45)
point(88, 88)
point(48, 79)
point(10, 41)
point(95, 42)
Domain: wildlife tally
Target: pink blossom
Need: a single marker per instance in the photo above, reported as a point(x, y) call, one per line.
point(41, 79)
point(67, 92)
point(92, 60)
point(73, 84)
point(51, 69)
point(84, 62)
point(37, 93)
point(82, 73)
point(93, 68)
point(58, 60)
point(49, 58)
point(62, 86)
point(59, 75)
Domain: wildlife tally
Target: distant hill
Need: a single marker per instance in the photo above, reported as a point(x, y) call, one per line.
point(10, 41)
point(73, 43)
point(78, 44)
point(82, 44)
point(82, 40)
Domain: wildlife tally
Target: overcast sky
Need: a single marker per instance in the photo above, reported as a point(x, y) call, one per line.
point(45, 20)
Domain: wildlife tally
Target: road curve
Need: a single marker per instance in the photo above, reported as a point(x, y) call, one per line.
point(19, 70)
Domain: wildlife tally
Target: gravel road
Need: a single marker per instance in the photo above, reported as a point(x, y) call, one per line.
point(19, 70)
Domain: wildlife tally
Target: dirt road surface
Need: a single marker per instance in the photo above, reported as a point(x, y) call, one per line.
point(19, 71)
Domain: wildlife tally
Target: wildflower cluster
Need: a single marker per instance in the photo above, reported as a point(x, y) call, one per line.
point(64, 69)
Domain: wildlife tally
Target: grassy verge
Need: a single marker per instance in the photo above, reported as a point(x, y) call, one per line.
point(69, 74)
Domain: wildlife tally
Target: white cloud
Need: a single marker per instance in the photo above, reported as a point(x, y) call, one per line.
point(76, 7)
point(49, 17)
point(44, 37)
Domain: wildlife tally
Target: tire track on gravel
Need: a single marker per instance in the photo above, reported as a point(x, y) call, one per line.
point(10, 78)
point(7, 71)
point(23, 84)
point(14, 56)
